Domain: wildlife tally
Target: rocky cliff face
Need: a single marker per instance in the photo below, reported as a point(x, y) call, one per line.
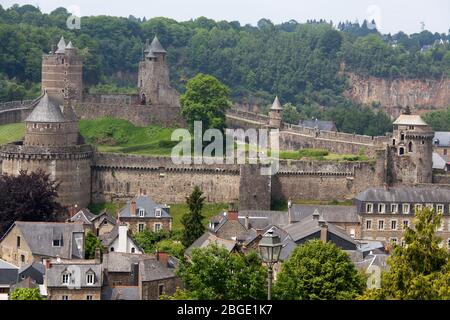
point(393, 95)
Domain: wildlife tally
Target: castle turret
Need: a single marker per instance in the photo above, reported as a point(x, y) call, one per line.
point(153, 78)
point(61, 68)
point(411, 150)
point(275, 114)
point(52, 144)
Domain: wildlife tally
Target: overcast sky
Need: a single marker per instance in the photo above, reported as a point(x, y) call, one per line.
point(390, 15)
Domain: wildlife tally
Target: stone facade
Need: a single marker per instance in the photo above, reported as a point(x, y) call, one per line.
point(15, 251)
point(150, 290)
point(62, 68)
point(73, 294)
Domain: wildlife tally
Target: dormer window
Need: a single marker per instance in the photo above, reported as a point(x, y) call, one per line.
point(141, 212)
point(90, 278)
point(158, 213)
point(369, 207)
point(381, 208)
point(66, 276)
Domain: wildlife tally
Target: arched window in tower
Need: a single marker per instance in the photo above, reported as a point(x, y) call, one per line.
point(410, 146)
point(402, 136)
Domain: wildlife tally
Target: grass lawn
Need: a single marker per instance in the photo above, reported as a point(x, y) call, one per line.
point(110, 207)
point(116, 135)
point(209, 210)
point(11, 132)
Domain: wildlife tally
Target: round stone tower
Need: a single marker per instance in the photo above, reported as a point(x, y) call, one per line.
point(153, 77)
point(411, 150)
point(52, 143)
point(62, 68)
point(275, 114)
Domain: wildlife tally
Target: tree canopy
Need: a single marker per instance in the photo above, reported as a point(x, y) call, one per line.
point(28, 197)
point(214, 274)
point(420, 270)
point(318, 270)
point(300, 62)
point(26, 294)
point(192, 223)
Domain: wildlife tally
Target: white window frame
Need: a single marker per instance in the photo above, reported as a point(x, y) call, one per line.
point(381, 208)
point(157, 224)
point(403, 224)
point(367, 207)
point(418, 207)
point(141, 225)
point(59, 243)
point(66, 278)
point(442, 226)
point(89, 297)
point(65, 297)
point(370, 225)
point(396, 225)
point(406, 206)
point(158, 212)
point(440, 208)
point(394, 205)
point(393, 240)
point(378, 224)
point(429, 205)
point(141, 212)
point(90, 276)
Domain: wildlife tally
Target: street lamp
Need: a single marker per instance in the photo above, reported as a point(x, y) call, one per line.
point(269, 248)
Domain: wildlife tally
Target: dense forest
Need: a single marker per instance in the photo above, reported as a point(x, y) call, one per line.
point(298, 61)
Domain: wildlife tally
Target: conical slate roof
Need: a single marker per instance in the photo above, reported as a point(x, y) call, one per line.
point(46, 111)
point(156, 46)
point(70, 45)
point(61, 45)
point(276, 104)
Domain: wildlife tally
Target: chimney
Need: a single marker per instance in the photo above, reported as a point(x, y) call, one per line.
point(134, 274)
point(323, 230)
point(162, 257)
point(290, 212)
point(232, 215)
point(98, 255)
point(316, 215)
point(247, 222)
point(133, 208)
point(123, 238)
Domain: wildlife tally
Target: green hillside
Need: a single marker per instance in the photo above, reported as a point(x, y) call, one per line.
point(11, 132)
point(116, 135)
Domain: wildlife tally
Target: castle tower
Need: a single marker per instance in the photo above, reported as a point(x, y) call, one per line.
point(275, 114)
point(62, 68)
point(153, 77)
point(411, 150)
point(52, 144)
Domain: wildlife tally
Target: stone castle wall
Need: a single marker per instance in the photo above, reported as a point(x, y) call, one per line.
point(71, 166)
point(139, 115)
point(119, 177)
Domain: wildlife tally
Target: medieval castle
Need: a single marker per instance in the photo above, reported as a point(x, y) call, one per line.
point(52, 142)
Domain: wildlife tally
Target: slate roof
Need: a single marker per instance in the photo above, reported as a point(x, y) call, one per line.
point(46, 111)
point(309, 226)
point(35, 264)
point(84, 215)
point(410, 119)
point(288, 245)
point(260, 219)
point(70, 45)
point(146, 203)
point(209, 238)
point(78, 274)
point(108, 238)
point(431, 194)
point(121, 293)
point(438, 161)
point(318, 124)
point(61, 45)
point(156, 46)
point(442, 138)
point(122, 262)
point(151, 270)
point(8, 273)
point(39, 237)
point(104, 216)
point(332, 214)
point(276, 105)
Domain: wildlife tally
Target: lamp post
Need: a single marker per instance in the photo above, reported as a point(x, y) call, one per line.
point(269, 248)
